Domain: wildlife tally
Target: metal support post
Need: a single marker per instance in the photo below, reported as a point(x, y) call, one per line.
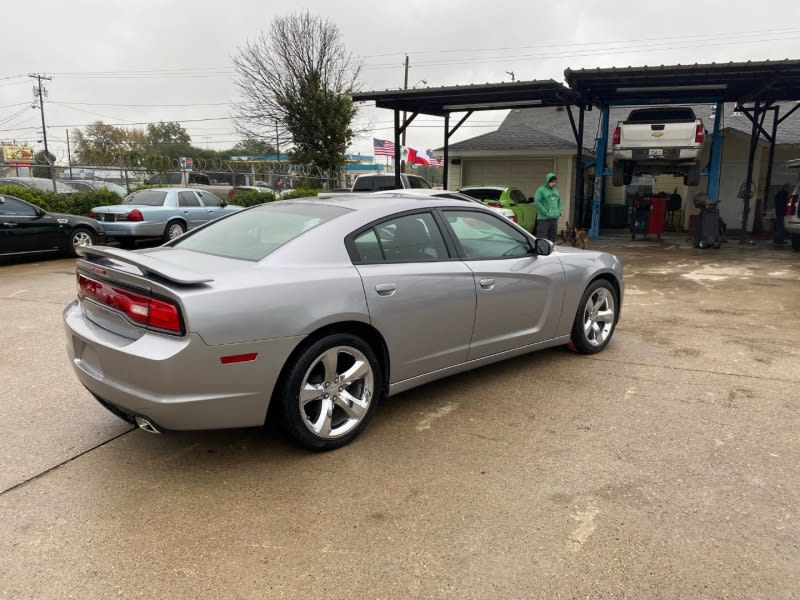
point(716, 155)
point(599, 173)
point(748, 182)
point(446, 169)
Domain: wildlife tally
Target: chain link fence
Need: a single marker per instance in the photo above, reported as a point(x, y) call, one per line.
point(161, 170)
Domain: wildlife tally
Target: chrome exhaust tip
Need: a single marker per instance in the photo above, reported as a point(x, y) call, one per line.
point(146, 425)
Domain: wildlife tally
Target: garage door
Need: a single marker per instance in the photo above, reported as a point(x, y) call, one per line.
point(526, 174)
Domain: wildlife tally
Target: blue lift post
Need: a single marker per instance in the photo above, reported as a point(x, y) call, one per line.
point(716, 156)
point(599, 173)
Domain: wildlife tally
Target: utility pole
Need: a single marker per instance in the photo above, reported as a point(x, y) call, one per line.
point(403, 140)
point(40, 94)
point(69, 155)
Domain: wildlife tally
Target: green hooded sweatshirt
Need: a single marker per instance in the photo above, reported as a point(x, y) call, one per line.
point(547, 201)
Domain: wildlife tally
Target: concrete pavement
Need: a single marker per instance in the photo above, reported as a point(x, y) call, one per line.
point(664, 467)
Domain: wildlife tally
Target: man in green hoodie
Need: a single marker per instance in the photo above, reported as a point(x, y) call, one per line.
point(548, 205)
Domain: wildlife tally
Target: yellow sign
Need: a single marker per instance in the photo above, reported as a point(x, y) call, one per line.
point(18, 154)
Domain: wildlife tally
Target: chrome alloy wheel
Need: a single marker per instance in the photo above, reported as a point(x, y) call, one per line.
point(82, 238)
point(336, 392)
point(599, 315)
point(174, 230)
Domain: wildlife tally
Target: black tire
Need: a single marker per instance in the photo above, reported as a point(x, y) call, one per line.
point(335, 407)
point(618, 173)
point(173, 230)
point(81, 236)
point(692, 178)
point(596, 318)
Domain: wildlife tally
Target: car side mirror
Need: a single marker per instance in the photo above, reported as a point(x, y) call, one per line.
point(542, 247)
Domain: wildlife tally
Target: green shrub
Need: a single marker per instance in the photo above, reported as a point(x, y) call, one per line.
point(301, 193)
point(77, 203)
point(251, 198)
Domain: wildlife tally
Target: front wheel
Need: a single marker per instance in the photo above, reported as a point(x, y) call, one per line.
point(596, 318)
point(330, 392)
point(81, 237)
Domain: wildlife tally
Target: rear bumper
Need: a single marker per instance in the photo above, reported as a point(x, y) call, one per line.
point(177, 382)
point(661, 154)
point(134, 229)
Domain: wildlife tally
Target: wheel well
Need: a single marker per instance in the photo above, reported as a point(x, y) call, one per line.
point(615, 283)
point(363, 330)
point(175, 220)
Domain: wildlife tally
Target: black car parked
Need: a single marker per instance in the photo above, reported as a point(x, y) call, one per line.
point(27, 229)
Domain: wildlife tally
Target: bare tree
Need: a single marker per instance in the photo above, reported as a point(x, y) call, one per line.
point(295, 83)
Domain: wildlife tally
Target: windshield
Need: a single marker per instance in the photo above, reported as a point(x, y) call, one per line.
point(256, 233)
point(146, 197)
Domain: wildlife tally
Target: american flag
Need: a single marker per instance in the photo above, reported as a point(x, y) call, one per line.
point(383, 147)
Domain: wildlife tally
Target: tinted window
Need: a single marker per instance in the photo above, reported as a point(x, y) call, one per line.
point(518, 197)
point(254, 234)
point(483, 235)
point(187, 199)
point(210, 199)
point(411, 238)
point(368, 248)
point(13, 207)
point(483, 193)
point(661, 115)
point(146, 197)
point(418, 182)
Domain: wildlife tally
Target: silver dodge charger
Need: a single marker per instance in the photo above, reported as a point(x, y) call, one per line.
point(320, 307)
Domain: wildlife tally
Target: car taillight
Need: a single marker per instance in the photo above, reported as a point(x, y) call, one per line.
point(699, 134)
point(90, 214)
point(135, 215)
point(791, 205)
point(617, 136)
point(150, 312)
point(514, 218)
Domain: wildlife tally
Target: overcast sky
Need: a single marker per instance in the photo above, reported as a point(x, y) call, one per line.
point(140, 61)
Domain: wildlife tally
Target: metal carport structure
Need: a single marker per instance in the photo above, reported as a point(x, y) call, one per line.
point(757, 84)
point(443, 101)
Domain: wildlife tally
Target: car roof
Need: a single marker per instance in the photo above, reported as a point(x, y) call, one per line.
point(387, 202)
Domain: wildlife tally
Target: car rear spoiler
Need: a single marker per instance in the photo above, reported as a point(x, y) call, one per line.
point(145, 264)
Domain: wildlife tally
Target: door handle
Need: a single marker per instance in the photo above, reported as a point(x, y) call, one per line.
point(10, 224)
point(386, 289)
point(487, 284)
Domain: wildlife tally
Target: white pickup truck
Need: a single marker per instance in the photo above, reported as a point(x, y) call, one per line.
point(658, 140)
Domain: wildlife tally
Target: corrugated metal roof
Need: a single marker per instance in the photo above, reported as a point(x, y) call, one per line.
point(742, 82)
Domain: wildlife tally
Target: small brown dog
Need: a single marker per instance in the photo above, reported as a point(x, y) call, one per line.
point(577, 238)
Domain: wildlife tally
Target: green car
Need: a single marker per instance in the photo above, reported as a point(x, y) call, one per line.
point(506, 197)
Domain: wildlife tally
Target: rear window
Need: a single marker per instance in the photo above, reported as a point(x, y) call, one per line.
point(146, 197)
point(254, 234)
point(484, 193)
point(661, 115)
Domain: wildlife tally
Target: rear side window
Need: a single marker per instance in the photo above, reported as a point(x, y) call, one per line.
point(518, 197)
point(188, 199)
point(418, 183)
point(410, 238)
